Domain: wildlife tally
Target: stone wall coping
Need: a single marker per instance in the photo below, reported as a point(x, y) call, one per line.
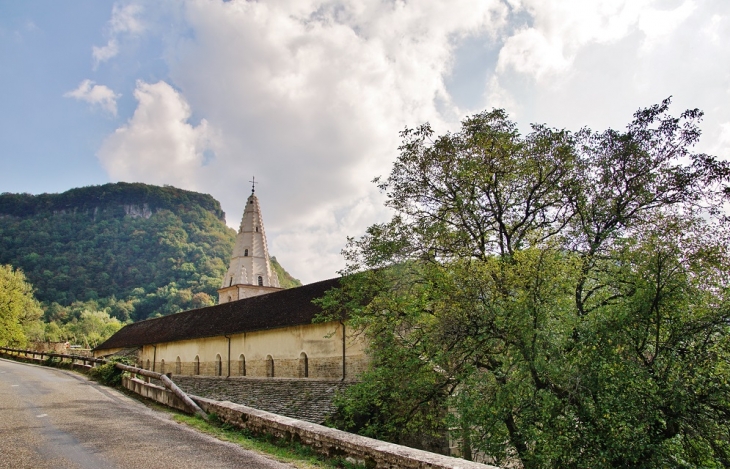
point(335, 441)
point(149, 385)
point(265, 378)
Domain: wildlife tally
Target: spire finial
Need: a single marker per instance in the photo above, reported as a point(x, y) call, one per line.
point(253, 185)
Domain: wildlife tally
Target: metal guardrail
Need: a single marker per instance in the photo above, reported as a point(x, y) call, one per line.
point(131, 369)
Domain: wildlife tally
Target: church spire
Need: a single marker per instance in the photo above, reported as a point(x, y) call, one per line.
point(250, 272)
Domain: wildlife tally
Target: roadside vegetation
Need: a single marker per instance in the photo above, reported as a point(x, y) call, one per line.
point(294, 453)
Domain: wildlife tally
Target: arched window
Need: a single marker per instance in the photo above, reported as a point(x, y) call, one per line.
point(242, 365)
point(303, 365)
point(148, 365)
point(178, 366)
point(196, 365)
point(269, 366)
point(162, 366)
point(261, 281)
point(229, 298)
point(245, 253)
point(218, 366)
point(257, 229)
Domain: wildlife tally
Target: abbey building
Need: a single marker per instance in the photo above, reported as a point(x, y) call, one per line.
point(257, 329)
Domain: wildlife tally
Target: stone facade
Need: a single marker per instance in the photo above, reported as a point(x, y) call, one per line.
point(307, 351)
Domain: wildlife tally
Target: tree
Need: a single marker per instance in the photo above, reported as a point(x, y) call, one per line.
point(92, 328)
point(559, 299)
point(19, 309)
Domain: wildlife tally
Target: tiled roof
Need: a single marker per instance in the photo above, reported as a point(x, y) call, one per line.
point(290, 307)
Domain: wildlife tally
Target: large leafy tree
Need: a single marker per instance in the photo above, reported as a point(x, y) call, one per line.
point(555, 299)
point(19, 310)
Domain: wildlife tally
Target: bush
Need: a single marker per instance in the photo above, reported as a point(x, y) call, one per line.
point(108, 373)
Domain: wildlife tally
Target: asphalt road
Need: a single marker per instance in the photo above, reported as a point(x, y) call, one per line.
point(58, 419)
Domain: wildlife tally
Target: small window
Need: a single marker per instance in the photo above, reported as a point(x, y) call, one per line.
point(303, 366)
point(178, 366)
point(269, 366)
point(242, 365)
point(148, 365)
point(245, 253)
point(257, 229)
point(261, 281)
point(196, 367)
point(162, 366)
point(231, 282)
point(218, 366)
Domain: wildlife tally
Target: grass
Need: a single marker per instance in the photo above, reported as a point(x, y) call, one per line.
point(290, 452)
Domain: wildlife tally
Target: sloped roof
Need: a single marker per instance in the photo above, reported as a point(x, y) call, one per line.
point(290, 307)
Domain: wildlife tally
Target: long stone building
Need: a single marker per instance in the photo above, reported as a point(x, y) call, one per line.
point(257, 329)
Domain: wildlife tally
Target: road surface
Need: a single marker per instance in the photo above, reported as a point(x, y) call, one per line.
point(56, 419)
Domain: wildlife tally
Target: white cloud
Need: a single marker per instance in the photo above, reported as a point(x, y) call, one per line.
point(309, 97)
point(659, 24)
point(104, 53)
point(96, 95)
point(158, 144)
point(713, 29)
point(722, 147)
point(124, 21)
point(559, 29)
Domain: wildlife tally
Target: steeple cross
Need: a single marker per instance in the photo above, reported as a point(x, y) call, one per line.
point(253, 185)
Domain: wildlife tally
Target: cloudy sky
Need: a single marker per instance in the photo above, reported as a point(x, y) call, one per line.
point(309, 95)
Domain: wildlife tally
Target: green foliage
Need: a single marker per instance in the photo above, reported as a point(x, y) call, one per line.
point(554, 299)
point(103, 256)
point(82, 246)
point(110, 196)
point(19, 310)
point(285, 278)
point(108, 373)
point(92, 328)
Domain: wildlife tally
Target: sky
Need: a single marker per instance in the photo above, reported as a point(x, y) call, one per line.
point(309, 96)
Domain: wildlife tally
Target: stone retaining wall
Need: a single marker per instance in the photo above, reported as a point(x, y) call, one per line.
point(304, 399)
point(156, 393)
point(372, 453)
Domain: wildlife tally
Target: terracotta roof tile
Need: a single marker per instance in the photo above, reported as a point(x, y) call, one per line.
point(290, 307)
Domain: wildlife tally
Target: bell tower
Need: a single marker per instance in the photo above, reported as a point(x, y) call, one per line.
point(250, 273)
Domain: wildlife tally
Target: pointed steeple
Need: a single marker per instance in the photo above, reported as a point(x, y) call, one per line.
point(250, 272)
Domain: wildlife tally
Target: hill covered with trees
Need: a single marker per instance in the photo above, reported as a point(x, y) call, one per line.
point(133, 251)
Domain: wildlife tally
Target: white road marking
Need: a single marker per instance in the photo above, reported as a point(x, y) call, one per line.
point(42, 415)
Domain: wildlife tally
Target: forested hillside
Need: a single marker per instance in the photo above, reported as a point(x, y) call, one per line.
point(133, 251)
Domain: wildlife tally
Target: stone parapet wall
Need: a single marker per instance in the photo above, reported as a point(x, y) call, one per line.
point(304, 399)
point(374, 454)
point(156, 393)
